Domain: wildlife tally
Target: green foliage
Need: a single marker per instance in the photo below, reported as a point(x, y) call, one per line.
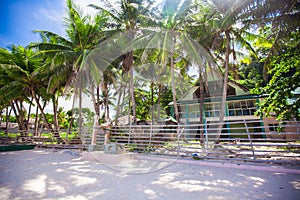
point(166, 98)
point(87, 116)
point(63, 118)
point(282, 100)
point(143, 103)
point(251, 74)
point(131, 147)
point(11, 119)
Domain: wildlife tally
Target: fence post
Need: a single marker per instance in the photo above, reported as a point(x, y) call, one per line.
point(129, 135)
point(206, 138)
point(179, 132)
point(249, 137)
point(150, 139)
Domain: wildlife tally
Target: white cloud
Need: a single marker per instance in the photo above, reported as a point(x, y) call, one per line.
point(51, 11)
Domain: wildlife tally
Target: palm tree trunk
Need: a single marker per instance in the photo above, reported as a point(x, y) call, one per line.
point(7, 117)
point(15, 111)
point(55, 121)
point(97, 109)
point(152, 101)
point(201, 108)
point(118, 107)
point(106, 103)
point(158, 100)
point(80, 109)
point(71, 117)
point(20, 117)
point(42, 110)
point(36, 121)
point(174, 89)
point(225, 83)
point(29, 113)
point(132, 94)
point(92, 93)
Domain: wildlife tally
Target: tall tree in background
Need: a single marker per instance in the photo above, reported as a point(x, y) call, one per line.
point(130, 15)
point(281, 16)
point(225, 27)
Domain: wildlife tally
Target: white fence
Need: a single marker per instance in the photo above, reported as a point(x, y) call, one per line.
point(261, 141)
point(242, 140)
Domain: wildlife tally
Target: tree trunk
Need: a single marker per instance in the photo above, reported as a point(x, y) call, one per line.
point(55, 121)
point(201, 108)
point(29, 113)
point(105, 95)
point(97, 109)
point(71, 117)
point(20, 117)
point(36, 121)
point(8, 117)
point(107, 107)
point(225, 83)
point(42, 110)
point(80, 109)
point(118, 107)
point(174, 89)
point(158, 100)
point(132, 94)
point(152, 101)
point(128, 68)
point(95, 102)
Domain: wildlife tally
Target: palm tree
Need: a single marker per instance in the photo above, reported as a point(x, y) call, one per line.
point(130, 15)
point(282, 17)
point(225, 19)
point(68, 54)
point(173, 42)
point(20, 68)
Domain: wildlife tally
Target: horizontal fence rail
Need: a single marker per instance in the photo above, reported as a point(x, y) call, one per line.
point(261, 141)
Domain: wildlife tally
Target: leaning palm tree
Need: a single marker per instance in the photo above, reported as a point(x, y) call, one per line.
point(20, 70)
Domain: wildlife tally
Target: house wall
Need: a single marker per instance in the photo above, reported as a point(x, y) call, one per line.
point(291, 129)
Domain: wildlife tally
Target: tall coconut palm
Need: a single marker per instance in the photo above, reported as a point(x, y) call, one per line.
point(127, 16)
point(68, 54)
point(173, 41)
point(227, 28)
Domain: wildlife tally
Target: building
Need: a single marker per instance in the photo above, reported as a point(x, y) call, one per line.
point(239, 112)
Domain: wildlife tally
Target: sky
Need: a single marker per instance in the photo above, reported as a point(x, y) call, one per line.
point(19, 18)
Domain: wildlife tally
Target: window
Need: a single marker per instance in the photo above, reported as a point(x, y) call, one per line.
point(212, 109)
point(273, 127)
point(241, 108)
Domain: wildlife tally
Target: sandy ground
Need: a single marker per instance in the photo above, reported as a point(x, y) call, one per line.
point(50, 174)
